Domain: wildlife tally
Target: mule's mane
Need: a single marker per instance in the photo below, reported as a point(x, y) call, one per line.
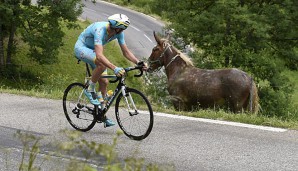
point(184, 57)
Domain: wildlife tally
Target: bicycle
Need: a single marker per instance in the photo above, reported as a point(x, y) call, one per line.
point(133, 111)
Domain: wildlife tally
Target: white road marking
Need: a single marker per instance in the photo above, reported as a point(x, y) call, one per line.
point(135, 28)
point(148, 38)
point(265, 128)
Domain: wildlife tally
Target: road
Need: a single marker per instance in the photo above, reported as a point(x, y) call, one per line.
point(179, 142)
point(182, 142)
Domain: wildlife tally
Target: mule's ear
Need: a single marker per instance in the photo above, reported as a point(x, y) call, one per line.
point(157, 38)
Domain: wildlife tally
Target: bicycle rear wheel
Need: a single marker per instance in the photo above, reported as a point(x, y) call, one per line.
point(134, 115)
point(80, 113)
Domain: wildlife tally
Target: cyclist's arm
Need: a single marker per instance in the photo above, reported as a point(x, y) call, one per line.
point(101, 59)
point(128, 54)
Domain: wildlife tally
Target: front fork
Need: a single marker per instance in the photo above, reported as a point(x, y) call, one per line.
point(132, 109)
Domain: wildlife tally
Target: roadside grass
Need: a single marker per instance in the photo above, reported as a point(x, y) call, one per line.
point(293, 76)
point(50, 81)
point(247, 118)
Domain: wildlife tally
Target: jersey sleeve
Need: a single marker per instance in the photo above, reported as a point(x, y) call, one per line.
point(120, 38)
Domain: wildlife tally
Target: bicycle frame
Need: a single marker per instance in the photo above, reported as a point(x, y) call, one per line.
point(114, 96)
point(119, 89)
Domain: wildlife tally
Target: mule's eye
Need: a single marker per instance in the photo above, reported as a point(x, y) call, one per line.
point(155, 48)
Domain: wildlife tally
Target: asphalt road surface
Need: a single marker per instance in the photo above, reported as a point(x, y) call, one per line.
point(182, 143)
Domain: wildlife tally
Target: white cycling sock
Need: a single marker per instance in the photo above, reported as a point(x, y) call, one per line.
point(91, 87)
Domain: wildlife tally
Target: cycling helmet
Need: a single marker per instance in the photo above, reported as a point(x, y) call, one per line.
point(119, 21)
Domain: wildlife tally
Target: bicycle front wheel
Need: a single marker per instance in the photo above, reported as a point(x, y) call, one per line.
point(134, 114)
point(80, 113)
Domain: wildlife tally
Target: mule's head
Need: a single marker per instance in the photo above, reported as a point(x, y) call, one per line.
point(156, 59)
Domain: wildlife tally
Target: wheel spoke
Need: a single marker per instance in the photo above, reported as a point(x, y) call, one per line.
point(77, 109)
point(135, 124)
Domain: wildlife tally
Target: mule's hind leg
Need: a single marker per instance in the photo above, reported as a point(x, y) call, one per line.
point(240, 104)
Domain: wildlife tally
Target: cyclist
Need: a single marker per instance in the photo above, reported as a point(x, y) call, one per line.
point(90, 46)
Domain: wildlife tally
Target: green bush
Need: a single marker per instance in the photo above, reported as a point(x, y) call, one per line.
point(277, 104)
point(156, 89)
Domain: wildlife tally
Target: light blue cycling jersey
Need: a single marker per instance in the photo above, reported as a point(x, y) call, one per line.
point(96, 34)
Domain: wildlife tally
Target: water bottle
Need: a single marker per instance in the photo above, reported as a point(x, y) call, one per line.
point(109, 95)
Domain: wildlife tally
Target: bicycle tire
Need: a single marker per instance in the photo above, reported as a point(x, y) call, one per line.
point(80, 113)
point(136, 126)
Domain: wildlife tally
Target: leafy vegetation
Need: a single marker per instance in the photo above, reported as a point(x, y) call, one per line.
point(259, 37)
point(39, 26)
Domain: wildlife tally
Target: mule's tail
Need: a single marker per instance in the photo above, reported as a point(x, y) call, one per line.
point(253, 98)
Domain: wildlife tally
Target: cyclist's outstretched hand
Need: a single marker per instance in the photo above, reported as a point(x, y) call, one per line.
point(118, 71)
point(143, 64)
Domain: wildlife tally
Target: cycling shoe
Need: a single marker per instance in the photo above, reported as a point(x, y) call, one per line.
point(109, 123)
point(92, 97)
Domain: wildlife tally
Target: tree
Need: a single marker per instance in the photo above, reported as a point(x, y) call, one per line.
point(257, 36)
point(5, 15)
point(40, 26)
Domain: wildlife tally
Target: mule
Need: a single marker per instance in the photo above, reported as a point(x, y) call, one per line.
point(192, 88)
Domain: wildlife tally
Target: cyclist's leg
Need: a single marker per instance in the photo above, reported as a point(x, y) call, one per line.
point(97, 72)
point(103, 84)
point(87, 55)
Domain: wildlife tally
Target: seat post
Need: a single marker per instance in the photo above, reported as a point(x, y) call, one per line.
point(88, 73)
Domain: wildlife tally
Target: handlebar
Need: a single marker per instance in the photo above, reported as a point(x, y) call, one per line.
point(139, 67)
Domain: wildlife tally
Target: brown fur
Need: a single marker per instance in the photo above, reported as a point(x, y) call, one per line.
point(193, 88)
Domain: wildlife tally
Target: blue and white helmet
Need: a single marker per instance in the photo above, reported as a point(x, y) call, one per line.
point(119, 21)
